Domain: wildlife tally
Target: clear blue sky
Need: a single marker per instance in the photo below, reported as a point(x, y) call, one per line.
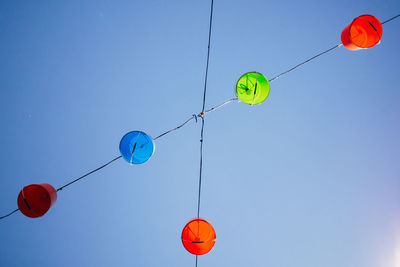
point(310, 178)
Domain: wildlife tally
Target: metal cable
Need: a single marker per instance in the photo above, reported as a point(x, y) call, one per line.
point(201, 165)
point(304, 62)
point(221, 105)
point(390, 19)
point(83, 176)
point(194, 117)
point(202, 111)
point(2, 217)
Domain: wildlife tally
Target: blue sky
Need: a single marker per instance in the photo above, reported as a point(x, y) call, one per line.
point(308, 178)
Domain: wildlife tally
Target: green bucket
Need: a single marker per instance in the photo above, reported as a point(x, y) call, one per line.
point(252, 88)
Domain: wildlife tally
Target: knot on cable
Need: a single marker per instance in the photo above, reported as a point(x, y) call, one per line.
point(201, 114)
point(195, 117)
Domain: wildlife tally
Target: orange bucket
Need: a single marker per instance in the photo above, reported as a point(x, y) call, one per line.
point(364, 32)
point(198, 236)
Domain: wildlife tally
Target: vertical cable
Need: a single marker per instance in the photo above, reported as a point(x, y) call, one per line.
point(201, 165)
point(208, 57)
point(202, 111)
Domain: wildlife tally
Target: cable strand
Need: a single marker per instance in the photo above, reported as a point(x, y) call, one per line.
point(201, 166)
point(221, 105)
point(208, 56)
point(2, 217)
point(306, 61)
point(83, 176)
point(391, 19)
point(194, 117)
point(203, 110)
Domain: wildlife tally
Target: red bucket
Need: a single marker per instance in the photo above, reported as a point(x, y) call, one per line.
point(36, 199)
point(364, 32)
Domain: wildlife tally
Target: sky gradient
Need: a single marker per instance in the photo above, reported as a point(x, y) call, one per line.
point(309, 178)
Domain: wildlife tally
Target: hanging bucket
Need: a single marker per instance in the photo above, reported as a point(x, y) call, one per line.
point(198, 236)
point(36, 199)
point(252, 88)
point(364, 32)
point(136, 147)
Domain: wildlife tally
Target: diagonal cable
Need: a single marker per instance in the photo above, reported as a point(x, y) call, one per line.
point(2, 217)
point(83, 176)
point(305, 61)
point(392, 18)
